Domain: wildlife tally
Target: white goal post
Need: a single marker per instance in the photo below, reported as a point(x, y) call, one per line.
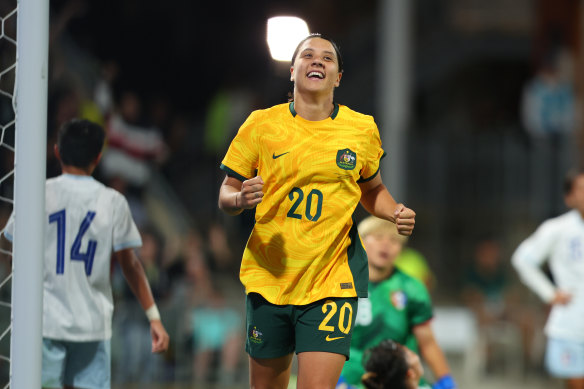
point(29, 192)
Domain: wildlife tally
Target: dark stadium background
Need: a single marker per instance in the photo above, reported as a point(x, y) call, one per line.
point(468, 153)
point(186, 49)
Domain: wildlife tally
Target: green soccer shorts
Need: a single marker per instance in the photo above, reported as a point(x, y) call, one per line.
point(277, 330)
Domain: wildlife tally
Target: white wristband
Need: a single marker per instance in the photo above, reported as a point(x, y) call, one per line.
point(152, 313)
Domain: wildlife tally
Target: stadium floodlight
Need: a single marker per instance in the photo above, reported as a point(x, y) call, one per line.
point(283, 35)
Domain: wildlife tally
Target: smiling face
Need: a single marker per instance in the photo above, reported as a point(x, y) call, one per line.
point(315, 68)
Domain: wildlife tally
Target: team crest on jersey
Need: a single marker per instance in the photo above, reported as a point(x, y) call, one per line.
point(346, 159)
point(256, 336)
point(398, 299)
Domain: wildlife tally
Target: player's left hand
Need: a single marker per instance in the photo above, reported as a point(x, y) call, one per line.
point(445, 382)
point(159, 335)
point(405, 219)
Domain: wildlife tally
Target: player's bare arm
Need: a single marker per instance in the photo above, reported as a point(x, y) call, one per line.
point(430, 350)
point(136, 278)
point(235, 195)
point(377, 200)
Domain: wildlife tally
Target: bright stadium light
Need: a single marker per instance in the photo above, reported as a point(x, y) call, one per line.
point(284, 33)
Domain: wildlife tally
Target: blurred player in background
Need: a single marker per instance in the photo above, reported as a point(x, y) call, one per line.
point(86, 223)
point(390, 365)
point(560, 241)
point(305, 165)
point(398, 307)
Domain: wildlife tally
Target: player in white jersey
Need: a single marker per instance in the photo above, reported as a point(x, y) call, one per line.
point(560, 241)
point(86, 223)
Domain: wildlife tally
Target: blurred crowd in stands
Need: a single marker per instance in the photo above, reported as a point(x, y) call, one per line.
point(167, 165)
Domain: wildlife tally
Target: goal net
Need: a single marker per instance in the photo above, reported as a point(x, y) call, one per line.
point(7, 128)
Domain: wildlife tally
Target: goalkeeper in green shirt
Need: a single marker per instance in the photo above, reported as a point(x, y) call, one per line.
point(398, 308)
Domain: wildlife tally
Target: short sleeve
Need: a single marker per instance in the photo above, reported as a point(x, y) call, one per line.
point(373, 156)
point(420, 304)
point(9, 228)
point(241, 160)
point(125, 232)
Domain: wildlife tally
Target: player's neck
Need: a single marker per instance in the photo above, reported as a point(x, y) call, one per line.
point(76, 171)
point(377, 274)
point(313, 108)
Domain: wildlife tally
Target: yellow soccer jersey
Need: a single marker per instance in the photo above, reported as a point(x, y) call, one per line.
point(304, 246)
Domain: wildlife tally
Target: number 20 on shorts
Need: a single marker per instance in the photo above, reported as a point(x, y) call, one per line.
point(345, 314)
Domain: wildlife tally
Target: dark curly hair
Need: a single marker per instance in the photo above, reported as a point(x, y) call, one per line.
point(386, 366)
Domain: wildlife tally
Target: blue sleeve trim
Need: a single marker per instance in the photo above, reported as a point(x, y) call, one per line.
point(127, 245)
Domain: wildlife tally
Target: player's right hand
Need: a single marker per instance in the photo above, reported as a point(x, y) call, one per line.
point(561, 298)
point(160, 338)
point(251, 193)
point(405, 219)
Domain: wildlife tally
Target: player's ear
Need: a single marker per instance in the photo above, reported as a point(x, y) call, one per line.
point(338, 81)
point(57, 154)
point(292, 73)
point(98, 158)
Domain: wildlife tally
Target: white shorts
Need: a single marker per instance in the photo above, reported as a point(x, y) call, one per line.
point(78, 364)
point(565, 358)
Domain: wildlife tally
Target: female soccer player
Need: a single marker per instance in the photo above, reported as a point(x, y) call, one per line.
point(398, 307)
point(305, 165)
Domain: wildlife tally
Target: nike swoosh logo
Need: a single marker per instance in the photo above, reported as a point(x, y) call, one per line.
point(329, 339)
point(274, 156)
